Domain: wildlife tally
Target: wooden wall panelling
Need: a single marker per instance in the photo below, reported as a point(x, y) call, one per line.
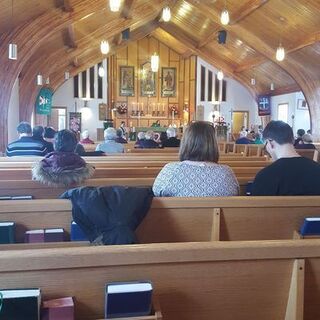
point(181, 86)
point(133, 61)
point(193, 86)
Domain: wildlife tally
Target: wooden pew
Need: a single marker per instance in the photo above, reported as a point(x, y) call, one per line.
point(184, 219)
point(125, 172)
point(228, 280)
point(309, 153)
point(40, 191)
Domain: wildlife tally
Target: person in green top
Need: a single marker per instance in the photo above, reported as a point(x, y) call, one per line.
point(258, 138)
point(156, 124)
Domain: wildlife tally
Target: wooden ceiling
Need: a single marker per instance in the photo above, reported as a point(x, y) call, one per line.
point(58, 35)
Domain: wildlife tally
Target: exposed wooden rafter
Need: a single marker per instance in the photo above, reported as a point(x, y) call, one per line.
point(307, 41)
point(212, 37)
point(282, 90)
point(70, 38)
point(117, 39)
point(246, 9)
point(126, 9)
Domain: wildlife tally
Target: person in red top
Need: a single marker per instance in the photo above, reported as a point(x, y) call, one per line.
point(85, 138)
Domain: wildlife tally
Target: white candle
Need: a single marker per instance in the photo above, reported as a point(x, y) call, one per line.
point(138, 106)
point(153, 106)
point(158, 108)
point(142, 106)
point(163, 107)
point(172, 115)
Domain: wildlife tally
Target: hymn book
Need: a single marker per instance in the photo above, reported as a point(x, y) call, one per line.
point(7, 232)
point(311, 226)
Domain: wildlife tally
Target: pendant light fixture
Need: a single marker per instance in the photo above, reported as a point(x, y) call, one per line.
point(114, 5)
point(220, 75)
point(166, 14)
point(104, 47)
point(155, 62)
point(48, 81)
point(253, 81)
point(13, 48)
point(280, 53)
point(101, 72)
point(67, 75)
point(225, 18)
point(272, 86)
point(39, 80)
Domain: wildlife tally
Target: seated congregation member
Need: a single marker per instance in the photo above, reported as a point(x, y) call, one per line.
point(300, 133)
point(26, 145)
point(37, 134)
point(172, 141)
point(110, 145)
point(120, 138)
point(198, 173)
point(244, 138)
point(85, 138)
point(148, 142)
point(290, 174)
point(258, 138)
point(140, 138)
point(49, 134)
point(63, 167)
point(306, 142)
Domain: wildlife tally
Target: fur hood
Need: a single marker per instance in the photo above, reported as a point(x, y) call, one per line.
point(62, 169)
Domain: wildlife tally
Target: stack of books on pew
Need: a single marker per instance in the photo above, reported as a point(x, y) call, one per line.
point(45, 235)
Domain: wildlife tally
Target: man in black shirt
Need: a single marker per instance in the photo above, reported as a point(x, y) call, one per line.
point(290, 174)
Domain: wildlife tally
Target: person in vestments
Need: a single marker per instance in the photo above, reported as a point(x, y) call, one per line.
point(198, 174)
point(289, 174)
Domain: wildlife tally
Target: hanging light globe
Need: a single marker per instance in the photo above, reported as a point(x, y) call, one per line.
point(220, 75)
point(104, 47)
point(155, 62)
point(101, 72)
point(166, 14)
point(224, 18)
point(39, 80)
point(280, 54)
point(253, 81)
point(13, 51)
point(114, 5)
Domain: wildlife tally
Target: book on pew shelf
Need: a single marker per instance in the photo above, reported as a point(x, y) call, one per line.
point(311, 226)
point(25, 197)
point(20, 304)
point(5, 198)
point(34, 236)
point(58, 309)
point(54, 235)
point(76, 233)
point(7, 232)
point(128, 299)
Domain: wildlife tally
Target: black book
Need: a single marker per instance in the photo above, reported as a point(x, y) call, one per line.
point(7, 232)
point(20, 304)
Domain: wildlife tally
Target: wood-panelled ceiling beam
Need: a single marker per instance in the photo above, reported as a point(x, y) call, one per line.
point(307, 41)
point(246, 9)
point(282, 90)
point(67, 7)
point(126, 9)
point(70, 40)
point(212, 37)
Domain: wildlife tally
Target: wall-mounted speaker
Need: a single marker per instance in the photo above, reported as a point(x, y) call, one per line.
point(126, 34)
point(222, 36)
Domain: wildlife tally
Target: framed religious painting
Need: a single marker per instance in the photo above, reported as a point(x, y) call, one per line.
point(168, 82)
point(75, 121)
point(302, 104)
point(126, 81)
point(102, 111)
point(147, 81)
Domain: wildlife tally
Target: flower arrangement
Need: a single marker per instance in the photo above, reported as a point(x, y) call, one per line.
point(174, 108)
point(122, 107)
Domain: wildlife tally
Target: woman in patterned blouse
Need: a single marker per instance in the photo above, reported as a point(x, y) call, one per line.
point(198, 173)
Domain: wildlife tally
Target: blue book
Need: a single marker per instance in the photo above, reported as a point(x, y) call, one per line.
point(20, 304)
point(7, 232)
point(128, 299)
point(249, 188)
point(76, 233)
point(311, 226)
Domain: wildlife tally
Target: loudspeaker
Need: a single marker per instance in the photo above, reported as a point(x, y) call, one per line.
point(222, 36)
point(126, 34)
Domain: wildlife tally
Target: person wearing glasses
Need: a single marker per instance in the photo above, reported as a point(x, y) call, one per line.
point(198, 173)
point(289, 174)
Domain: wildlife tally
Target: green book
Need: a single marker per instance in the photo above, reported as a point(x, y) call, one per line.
point(7, 232)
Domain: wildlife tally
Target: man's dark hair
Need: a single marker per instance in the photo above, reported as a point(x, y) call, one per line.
point(65, 141)
point(278, 131)
point(37, 131)
point(24, 127)
point(49, 132)
point(300, 132)
point(119, 133)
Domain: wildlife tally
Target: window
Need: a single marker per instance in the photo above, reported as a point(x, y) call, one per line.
point(283, 112)
point(209, 85)
point(203, 83)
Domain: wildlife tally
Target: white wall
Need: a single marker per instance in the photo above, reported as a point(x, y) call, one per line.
point(63, 97)
point(13, 113)
point(238, 97)
point(301, 117)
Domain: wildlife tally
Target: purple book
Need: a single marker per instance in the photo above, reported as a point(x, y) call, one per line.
point(58, 309)
point(54, 235)
point(33, 236)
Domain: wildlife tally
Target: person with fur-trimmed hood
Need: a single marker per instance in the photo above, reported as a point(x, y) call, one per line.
point(62, 167)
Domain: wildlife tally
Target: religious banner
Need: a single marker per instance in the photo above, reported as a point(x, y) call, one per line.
point(168, 82)
point(147, 81)
point(44, 101)
point(264, 106)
